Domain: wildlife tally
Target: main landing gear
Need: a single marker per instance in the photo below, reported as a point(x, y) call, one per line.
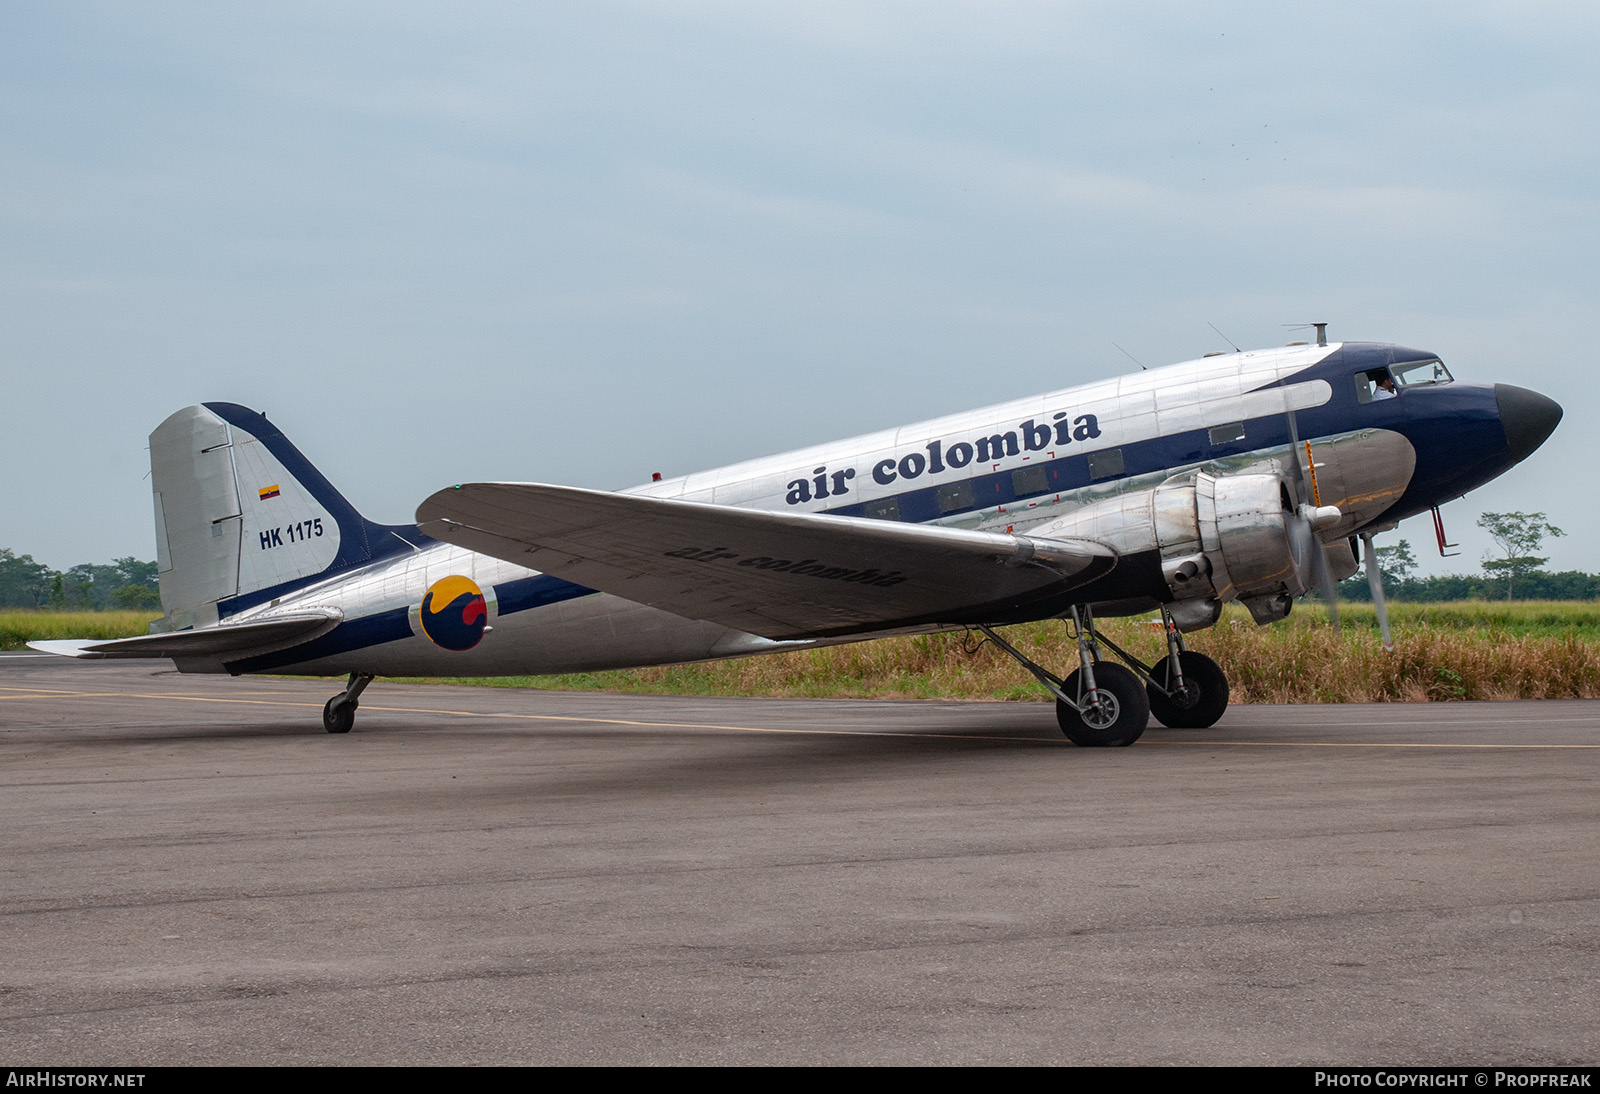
point(340, 713)
point(1103, 704)
point(1198, 698)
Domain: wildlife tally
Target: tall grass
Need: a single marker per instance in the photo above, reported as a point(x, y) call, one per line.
point(1456, 651)
point(1521, 654)
point(18, 628)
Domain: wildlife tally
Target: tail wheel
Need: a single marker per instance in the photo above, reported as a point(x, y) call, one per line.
point(1114, 718)
point(339, 715)
point(1201, 700)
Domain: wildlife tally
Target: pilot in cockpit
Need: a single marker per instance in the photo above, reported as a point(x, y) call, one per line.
point(1373, 384)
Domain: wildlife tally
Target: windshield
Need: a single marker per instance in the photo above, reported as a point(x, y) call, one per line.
point(1417, 373)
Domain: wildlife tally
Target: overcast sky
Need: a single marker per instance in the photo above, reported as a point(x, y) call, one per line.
point(580, 243)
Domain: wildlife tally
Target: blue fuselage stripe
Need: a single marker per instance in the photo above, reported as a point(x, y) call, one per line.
point(352, 634)
point(538, 591)
point(393, 625)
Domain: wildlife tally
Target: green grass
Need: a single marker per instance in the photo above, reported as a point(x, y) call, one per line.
point(1517, 617)
point(1462, 650)
point(18, 628)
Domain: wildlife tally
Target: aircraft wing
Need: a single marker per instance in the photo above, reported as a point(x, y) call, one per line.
point(778, 575)
point(276, 633)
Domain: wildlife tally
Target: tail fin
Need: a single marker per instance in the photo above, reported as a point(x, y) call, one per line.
point(243, 517)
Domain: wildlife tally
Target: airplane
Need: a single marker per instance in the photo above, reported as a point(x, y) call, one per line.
point(1247, 476)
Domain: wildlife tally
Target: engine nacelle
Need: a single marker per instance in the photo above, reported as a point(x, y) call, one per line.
point(1219, 538)
point(1248, 529)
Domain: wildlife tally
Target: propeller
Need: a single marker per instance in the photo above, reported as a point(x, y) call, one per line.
point(1369, 556)
point(1314, 516)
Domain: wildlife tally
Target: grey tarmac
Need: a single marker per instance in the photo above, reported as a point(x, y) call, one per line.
point(196, 873)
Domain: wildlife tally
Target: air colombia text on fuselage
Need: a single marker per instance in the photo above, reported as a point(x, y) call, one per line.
point(1030, 436)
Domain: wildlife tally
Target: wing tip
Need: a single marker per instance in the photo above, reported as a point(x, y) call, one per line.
point(65, 647)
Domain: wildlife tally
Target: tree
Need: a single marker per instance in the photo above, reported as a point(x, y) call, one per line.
point(137, 597)
point(1519, 536)
point(134, 572)
point(127, 582)
point(24, 583)
point(85, 587)
point(1395, 564)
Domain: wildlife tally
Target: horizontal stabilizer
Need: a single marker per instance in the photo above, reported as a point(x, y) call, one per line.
point(228, 638)
point(779, 575)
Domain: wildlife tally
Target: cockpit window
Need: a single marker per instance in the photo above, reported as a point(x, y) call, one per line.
point(1374, 384)
point(1417, 373)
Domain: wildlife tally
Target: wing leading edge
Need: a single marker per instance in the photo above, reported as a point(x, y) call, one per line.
point(778, 575)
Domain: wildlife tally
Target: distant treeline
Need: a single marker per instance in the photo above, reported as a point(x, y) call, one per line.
point(1536, 585)
point(126, 584)
point(1517, 577)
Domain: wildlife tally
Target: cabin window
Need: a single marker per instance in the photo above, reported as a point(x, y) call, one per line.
point(955, 495)
point(1105, 465)
point(1227, 434)
point(1029, 480)
point(883, 509)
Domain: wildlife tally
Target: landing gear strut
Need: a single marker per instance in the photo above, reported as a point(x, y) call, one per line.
point(1102, 703)
point(1199, 698)
point(340, 713)
point(1187, 690)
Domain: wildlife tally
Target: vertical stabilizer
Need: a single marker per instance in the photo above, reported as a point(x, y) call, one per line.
point(242, 517)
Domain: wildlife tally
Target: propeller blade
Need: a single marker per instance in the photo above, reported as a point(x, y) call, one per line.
point(1325, 582)
point(1311, 510)
point(1302, 492)
point(1369, 555)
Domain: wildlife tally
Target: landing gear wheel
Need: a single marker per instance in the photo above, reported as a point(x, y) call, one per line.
point(1201, 701)
point(1118, 716)
point(339, 715)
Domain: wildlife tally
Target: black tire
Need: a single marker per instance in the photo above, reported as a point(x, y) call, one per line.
point(1204, 696)
point(1118, 721)
point(339, 715)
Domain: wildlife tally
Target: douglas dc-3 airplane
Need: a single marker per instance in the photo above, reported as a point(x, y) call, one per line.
point(1247, 476)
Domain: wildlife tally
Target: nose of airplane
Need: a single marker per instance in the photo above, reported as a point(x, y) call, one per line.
point(1527, 417)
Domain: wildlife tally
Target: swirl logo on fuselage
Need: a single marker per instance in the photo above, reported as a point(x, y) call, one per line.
point(454, 613)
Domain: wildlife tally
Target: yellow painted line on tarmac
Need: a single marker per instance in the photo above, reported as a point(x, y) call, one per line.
point(1351, 744)
point(45, 693)
point(1195, 742)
